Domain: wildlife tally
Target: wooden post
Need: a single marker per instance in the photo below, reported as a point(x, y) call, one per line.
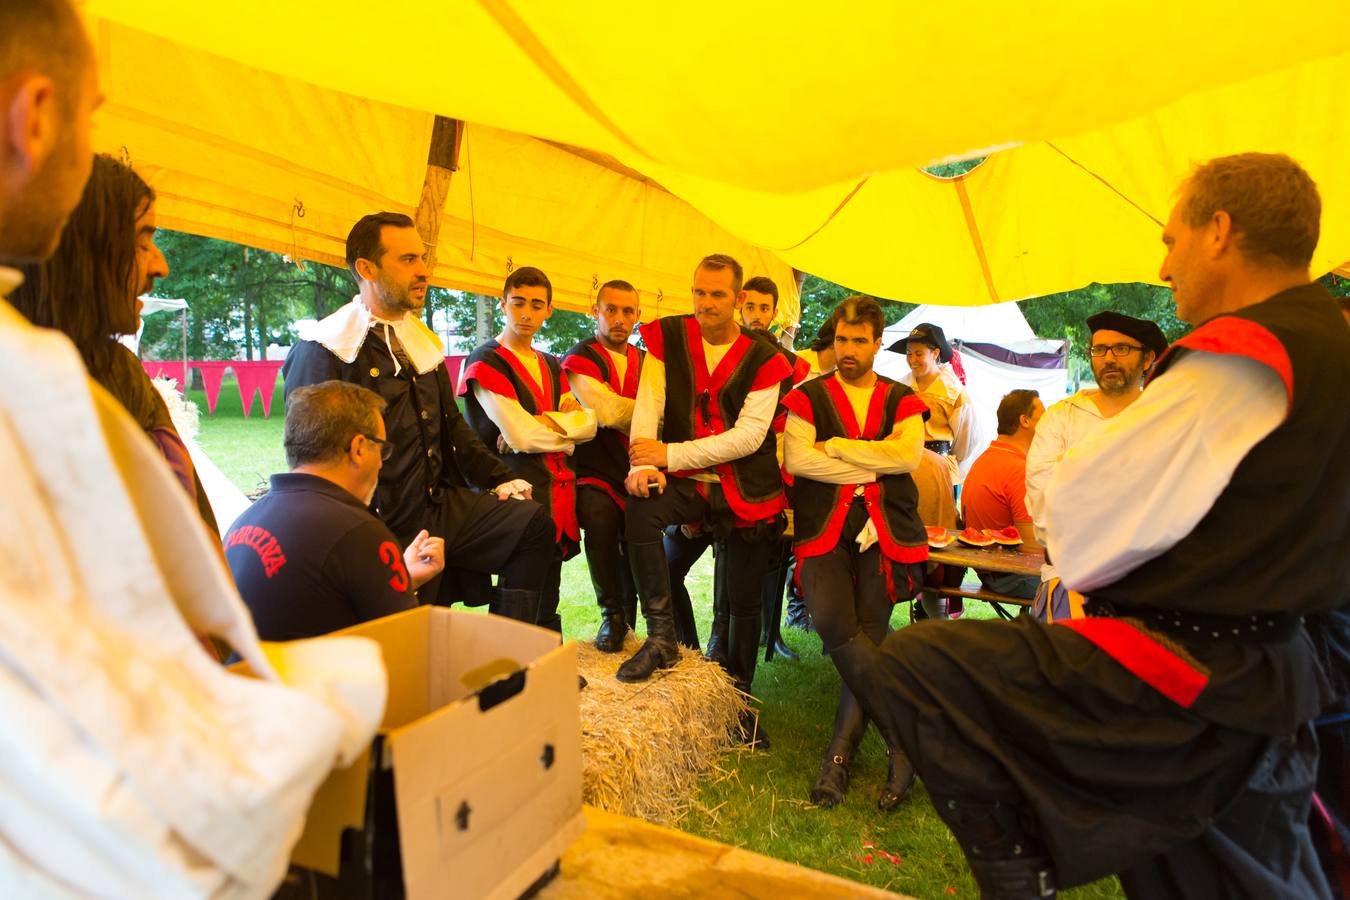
point(442, 162)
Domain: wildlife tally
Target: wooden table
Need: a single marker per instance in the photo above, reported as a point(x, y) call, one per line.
point(621, 857)
point(1010, 560)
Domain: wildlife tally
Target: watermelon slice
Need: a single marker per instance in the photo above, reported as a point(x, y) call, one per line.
point(938, 536)
point(1005, 537)
point(975, 538)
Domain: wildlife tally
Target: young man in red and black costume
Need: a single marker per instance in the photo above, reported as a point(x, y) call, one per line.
point(852, 438)
point(603, 371)
point(516, 398)
point(711, 388)
point(1167, 735)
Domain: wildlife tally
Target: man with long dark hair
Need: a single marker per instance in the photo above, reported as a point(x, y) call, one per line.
point(88, 290)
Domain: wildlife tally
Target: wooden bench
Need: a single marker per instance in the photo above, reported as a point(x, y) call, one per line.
point(995, 600)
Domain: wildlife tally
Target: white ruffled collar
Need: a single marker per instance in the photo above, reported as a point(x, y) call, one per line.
point(344, 333)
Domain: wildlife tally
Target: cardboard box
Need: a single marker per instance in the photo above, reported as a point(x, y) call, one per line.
point(473, 786)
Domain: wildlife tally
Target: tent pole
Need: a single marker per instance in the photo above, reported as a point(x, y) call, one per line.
point(442, 162)
point(185, 365)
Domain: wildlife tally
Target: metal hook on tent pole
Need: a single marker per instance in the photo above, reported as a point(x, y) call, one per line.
point(297, 212)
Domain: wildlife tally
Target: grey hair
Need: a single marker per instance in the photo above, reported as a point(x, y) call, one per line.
point(322, 419)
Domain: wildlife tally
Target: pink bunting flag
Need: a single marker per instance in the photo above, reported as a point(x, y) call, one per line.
point(213, 372)
point(258, 375)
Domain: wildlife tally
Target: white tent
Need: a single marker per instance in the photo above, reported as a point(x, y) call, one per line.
point(999, 353)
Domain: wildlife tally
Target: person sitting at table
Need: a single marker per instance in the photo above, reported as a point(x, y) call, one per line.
point(310, 557)
point(994, 496)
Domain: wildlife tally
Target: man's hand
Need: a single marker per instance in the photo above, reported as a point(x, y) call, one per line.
point(548, 422)
point(569, 404)
point(519, 488)
point(425, 558)
point(647, 452)
point(503, 447)
point(640, 483)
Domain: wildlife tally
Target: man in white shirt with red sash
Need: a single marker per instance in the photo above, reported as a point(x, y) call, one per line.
point(1165, 737)
point(852, 439)
point(516, 398)
point(603, 371)
point(709, 387)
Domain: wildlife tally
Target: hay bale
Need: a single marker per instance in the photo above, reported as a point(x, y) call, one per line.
point(645, 746)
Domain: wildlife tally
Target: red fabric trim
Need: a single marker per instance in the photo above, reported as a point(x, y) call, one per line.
point(910, 405)
point(798, 403)
point(779, 423)
point(773, 372)
point(801, 370)
point(489, 378)
point(563, 497)
point(875, 406)
point(852, 431)
point(652, 338)
point(890, 547)
point(1242, 337)
point(604, 486)
point(543, 394)
point(829, 535)
point(744, 509)
point(631, 373)
point(580, 365)
point(711, 382)
point(1143, 657)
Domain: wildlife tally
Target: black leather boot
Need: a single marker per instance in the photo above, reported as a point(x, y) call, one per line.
point(849, 724)
point(1001, 846)
point(771, 637)
point(513, 603)
point(899, 777)
point(653, 583)
point(605, 565)
point(548, 611)
point(742, 654)
point(717, 634)
point(682, 609)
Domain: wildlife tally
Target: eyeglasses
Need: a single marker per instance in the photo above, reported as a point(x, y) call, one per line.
point(1099, 350)
point(386, 447)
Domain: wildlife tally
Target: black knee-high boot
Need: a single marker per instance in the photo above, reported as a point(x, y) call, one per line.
point(849, 725)
point(1000, 843)
point(604, 563)
point(653, 583)
point(856, 660)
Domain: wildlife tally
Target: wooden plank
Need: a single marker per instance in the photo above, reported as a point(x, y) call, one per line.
point(620, 857)
point(990, 559)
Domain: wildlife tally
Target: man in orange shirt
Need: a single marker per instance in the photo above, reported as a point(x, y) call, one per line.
point(994, 496)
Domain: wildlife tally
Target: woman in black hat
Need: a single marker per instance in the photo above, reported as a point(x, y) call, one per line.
point(949, 430)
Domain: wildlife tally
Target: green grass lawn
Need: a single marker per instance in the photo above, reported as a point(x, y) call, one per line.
point(759, 800)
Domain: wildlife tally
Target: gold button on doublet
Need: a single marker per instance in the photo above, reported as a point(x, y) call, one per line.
point(374, 372)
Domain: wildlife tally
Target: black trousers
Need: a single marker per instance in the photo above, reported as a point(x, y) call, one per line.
point(513, 539)
point(601, 521)
point(847, 591)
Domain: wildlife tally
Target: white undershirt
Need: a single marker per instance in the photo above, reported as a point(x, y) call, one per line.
point(741, 439)
point(1133, 491)
point(522, 431)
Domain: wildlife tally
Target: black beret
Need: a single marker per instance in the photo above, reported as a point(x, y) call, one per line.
point(1142, 330)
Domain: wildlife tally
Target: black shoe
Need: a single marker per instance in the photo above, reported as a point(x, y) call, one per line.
point(651, 656)
point(899, 781)
point(613, 629)
point(831, 783)
point(653, 582)
point(750, 733)
point(780, 648)
point(1014, 879)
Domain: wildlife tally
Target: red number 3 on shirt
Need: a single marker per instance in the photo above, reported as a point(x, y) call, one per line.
point(390, 556)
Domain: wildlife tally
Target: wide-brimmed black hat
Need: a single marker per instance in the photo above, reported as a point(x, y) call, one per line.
point(925, 333)
point(1142, 330)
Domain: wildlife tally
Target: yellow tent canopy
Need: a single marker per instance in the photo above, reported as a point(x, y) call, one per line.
point(257, 158)
point(795, 126)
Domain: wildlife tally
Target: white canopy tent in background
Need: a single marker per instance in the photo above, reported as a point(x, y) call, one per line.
point(999, 353)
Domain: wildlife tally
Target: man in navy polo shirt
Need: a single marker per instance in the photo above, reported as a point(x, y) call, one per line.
point(310, 557)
